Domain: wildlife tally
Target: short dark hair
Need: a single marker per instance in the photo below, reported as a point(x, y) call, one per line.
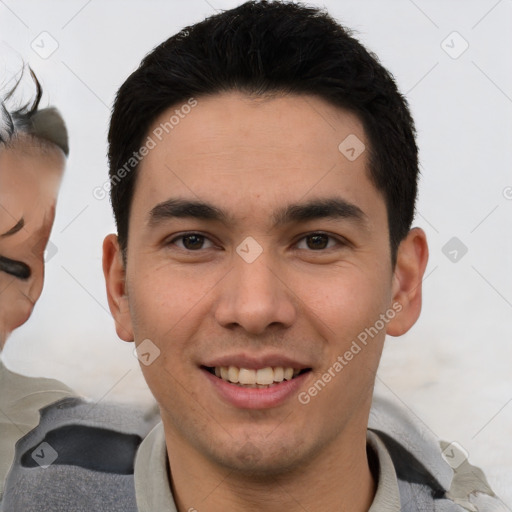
point(45, 125)
point(260, 48)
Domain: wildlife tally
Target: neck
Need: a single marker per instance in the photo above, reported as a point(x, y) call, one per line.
point(337, 478)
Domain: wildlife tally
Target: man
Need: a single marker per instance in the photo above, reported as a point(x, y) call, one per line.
point(263, 171)
point(48, 436)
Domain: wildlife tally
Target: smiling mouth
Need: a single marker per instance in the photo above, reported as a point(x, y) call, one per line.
point(260, 378)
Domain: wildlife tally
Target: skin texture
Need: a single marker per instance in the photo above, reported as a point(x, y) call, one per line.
point(30, 176)
point(251, 157)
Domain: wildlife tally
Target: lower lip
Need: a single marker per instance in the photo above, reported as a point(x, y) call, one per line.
point(256, 398)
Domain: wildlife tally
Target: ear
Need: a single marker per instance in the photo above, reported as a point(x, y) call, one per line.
point(115, 280)
point(412, 258)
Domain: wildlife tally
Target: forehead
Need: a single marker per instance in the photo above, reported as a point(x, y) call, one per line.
point(30, 161)
point(30, 176)
point(296, 124)
point(230, 147)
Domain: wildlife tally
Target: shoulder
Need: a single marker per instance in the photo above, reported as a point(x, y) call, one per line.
point(21, 399)
point(429, 470)
point(80, 456)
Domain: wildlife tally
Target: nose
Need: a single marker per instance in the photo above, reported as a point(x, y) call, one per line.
point(255, 297)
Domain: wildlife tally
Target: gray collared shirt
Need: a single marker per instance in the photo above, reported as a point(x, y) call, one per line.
point(413, 470)
point(153, 489)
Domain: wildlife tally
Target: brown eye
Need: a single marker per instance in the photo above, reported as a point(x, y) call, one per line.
point(192, 242)
point(317, 242)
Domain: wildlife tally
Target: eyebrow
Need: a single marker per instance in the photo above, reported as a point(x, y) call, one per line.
point(332, 208)
point(17, 227)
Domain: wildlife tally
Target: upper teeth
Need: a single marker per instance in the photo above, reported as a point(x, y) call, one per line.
point(262, 376)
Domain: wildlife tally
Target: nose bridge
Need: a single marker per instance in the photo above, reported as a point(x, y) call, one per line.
point(256, 280)
point(254, 297)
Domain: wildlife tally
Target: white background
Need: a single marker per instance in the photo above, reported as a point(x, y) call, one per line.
point(453, 369)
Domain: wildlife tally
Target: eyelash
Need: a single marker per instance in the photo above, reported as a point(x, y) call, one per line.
point(339, 242)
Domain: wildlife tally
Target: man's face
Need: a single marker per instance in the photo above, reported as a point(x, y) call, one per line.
point(265, 280)
point(30, 176)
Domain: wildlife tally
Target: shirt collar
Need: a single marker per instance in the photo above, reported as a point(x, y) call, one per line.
point(152, 487)
point(387, 496)
point(413, 435)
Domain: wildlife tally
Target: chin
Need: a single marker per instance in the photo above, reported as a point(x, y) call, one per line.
point(18, 316)
point(265, 468)
point(261, 459)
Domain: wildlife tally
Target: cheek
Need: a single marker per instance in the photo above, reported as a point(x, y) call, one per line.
point(346, 301)
point(37, 279)
point(347, 312)
point(15, 307)
point(164, 302)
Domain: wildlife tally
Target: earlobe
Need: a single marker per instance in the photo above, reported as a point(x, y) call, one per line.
point(115, 281)
point(412, 258)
